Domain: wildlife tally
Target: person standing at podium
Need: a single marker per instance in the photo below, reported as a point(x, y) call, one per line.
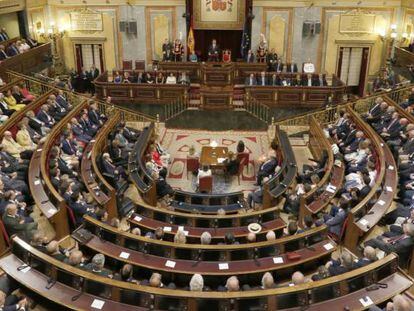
point(213, 51)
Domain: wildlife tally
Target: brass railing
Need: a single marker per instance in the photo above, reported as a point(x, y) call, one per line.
point(329, 114)
point(175, 108)
point(256, 108)
point(40, 87)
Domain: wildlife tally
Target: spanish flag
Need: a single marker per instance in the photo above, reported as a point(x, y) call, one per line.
point(190, 41)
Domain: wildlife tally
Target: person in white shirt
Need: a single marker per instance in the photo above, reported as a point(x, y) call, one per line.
point(171, 79)
point(204, 172)
point(24, 45)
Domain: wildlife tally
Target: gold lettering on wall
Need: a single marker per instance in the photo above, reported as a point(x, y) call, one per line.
point(86, 21)
point(357, 23)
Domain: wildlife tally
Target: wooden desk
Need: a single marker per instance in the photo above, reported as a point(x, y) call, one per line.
point(210, 156)
point(216, 97)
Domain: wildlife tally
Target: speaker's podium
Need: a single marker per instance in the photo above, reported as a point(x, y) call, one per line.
point(216, 90)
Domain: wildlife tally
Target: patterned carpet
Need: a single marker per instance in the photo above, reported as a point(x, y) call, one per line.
point(178, 143)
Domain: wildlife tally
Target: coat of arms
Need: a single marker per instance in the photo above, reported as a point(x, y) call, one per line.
point(219, 5)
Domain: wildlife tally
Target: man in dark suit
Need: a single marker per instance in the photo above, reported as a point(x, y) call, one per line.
point(62, 100)
point(162, 187)
point(394, 128)
point(278, 66)
point(44, 116)
point(12, 50)
point(32, 42)
point(34, 123)
point(94, 116)
point(249, 57)
point(213, 52)
point(262, 80)
point(87, 125)
point(402, 244)
point(16, 225)
point(352, 141)
point(4, 34)
point(251, 80)
point(68, 144)
point(4, 107)
point(342, 265)
point(291, 67)
point(3, 54)
point(369, 257)
point(79, 207)
point(266, 169)
point(375, 113)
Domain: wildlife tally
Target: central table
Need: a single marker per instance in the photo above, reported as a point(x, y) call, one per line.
point(213, 156)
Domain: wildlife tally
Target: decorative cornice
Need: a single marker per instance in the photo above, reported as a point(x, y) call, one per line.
point(328, 3)
point(116, 2)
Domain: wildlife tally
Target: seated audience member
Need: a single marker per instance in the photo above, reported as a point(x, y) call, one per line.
point(196, 283)
point(23, 137)
point(180, 237)
point(78, 131)
point(398, 303)
point(79, 207)
point(205, 171)
point(183, 79)
point(292, 228)
point(401, 244)
point(117, 77)
point(336, 218)
point(97, 266)
point(75, 259)
point(370, 256)
point(307, 223)
point(256, 196)
point(11, 101)
point(147, 78)
point(205, 238)
point(162, 187)
point(298, 278)
point(25, 46)
point(18, 96)
point(125, 274)
point(12, 50)
point(251, 80)
point(11, 146)
point(343, 264)
point(232, 284)
point(87, 125)
point(39, 241)
point(126, 78)
point(267, 169)
point(164, 155)
point(5, 107)
point(16, 225)
point(130, 134)
point(111, 170)
point(3, 54)
point(193, 57)
point(94, 116)
point(171, 79)
point(270, 236)
point(44, 116)
point(159, 79)
point(262, 79)
point(268, 281)
point(52, 249)
point(232, 164)
point(321, 274)
point(12, 302)
point(155, 280)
